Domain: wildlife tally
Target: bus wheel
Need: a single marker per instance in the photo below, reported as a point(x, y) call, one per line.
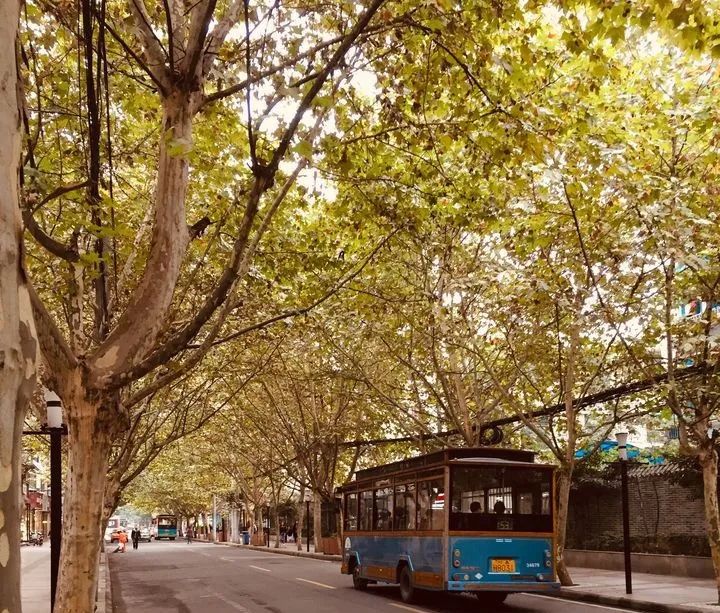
point(358, 582)
point(407, 591)
point(491, 598)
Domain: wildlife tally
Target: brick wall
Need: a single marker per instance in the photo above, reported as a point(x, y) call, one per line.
point(665, 517)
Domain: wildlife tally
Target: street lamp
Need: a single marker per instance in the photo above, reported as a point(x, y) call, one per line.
point(308, 498)
point(622, 452)
point(56, 429)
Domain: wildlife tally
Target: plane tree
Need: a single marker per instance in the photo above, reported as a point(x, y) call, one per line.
point(18, 342)
point(158, 80)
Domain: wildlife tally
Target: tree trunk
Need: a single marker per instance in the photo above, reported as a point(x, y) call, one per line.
point(111, 499)
point(276, 515)
point(709, 463)
point(90, 430)
point(18, 344)
point(301, 519)
point(564, 479)
point(136, 331)
point(317, 522)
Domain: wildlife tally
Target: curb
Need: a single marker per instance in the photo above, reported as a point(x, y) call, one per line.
point(103, 600)
point(627, 603)
point(103, 586)
point(285, 552)
point(109, 608)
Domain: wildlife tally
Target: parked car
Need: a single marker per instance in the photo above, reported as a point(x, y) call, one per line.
point(145, 535)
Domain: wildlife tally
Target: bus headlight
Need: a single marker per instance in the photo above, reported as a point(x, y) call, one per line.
point(456, 563)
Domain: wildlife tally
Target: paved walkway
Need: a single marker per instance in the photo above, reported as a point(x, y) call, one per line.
point(35, 578)
point(662, 593)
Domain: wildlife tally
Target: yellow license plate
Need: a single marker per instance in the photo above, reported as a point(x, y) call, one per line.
point(502, 566)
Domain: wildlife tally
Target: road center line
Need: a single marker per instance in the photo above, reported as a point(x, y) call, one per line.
point(402, 606)
point(584, 604)
point(266, 570)
point(330, 587)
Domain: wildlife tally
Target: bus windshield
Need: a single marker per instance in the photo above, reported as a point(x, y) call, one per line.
point(499, 498)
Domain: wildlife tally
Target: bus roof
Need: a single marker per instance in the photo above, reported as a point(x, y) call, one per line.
point(440, 458)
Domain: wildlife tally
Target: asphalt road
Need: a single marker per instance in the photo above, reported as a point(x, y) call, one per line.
point(204, 578)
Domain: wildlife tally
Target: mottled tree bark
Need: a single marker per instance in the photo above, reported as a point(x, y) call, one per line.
point(562, 500)
point(18, 344)
point(709, 464)
point(90, 426)
point(317, 522)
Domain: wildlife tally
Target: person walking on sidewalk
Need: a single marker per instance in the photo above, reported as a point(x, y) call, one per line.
point(188, 535)
point(135, 536)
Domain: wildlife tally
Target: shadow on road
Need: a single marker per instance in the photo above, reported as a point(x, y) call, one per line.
point(448, 603)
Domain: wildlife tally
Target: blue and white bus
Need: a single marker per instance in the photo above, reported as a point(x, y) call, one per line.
point(165, 527)
point(459, 520)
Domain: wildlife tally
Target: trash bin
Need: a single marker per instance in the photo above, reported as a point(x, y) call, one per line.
point(246, 538)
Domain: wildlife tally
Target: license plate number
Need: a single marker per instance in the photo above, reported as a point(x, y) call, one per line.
point(502, 566)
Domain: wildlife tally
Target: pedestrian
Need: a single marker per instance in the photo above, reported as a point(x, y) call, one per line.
point(135, 536)
point(122, 540)
point(294, 533)
point(188, 534)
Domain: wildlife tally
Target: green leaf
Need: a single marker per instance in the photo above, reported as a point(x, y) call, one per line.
point(304, 148)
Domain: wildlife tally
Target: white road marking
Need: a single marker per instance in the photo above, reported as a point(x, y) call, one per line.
point(402, 606)
point(267, 570)
point(232, 603)
point(330, 587)
point(584, 604)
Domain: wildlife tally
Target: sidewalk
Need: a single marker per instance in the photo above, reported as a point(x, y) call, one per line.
point(661, 593)
point(35, 580)
point(658, 593)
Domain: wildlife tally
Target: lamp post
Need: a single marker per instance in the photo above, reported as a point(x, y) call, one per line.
point(56, 429)
point(308, 498)
point(622, 452)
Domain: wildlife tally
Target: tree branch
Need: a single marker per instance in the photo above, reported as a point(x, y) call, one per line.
point(47, 241)
point(200, 22)
point(152, 48)
point(55, 350)
point(306, 309)
point(218, 34)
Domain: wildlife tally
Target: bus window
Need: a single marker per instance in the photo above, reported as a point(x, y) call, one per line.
point(366, 510)
point(431, 504)
point(405, 507)
point(383, 508)
point(351, 511)
point(499, 498)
